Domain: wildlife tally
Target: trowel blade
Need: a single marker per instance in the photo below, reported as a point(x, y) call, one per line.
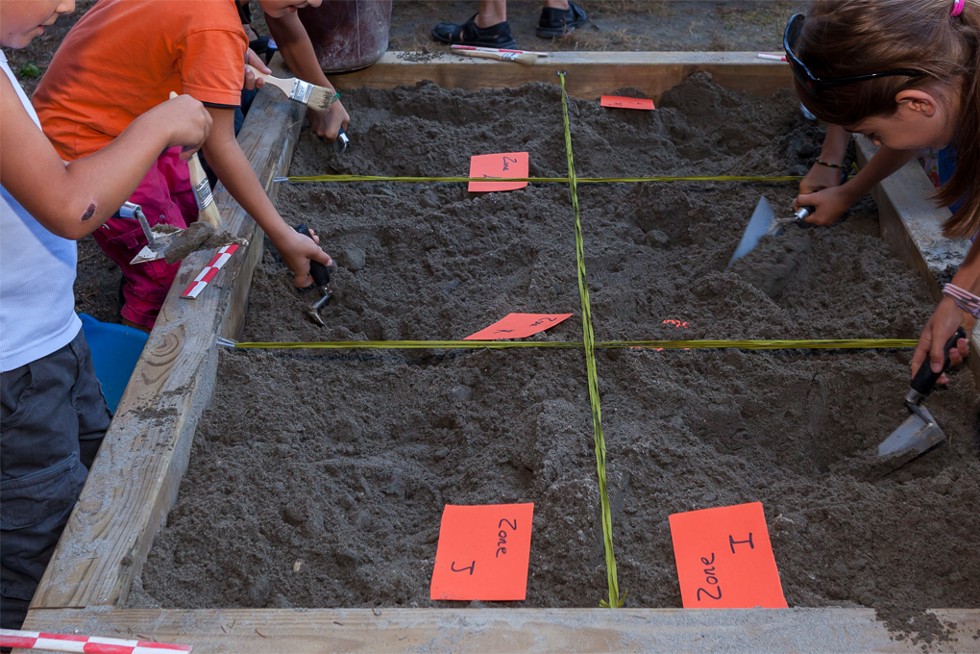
point(167, 240)
point(159, 240)
point(917, 434)
point(759, 225)
point(146, 255)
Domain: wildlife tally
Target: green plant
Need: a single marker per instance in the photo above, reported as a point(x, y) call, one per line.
point(29, 71)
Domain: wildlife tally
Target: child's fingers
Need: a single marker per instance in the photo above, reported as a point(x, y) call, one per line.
point(302, 280)
point(253, 59)
point(308, 249)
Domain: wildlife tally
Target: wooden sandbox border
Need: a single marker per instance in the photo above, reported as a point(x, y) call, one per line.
point(134, 482)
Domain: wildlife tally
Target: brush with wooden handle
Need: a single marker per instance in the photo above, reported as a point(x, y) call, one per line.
point(173, 244)
point(460, 46)
point(313, 96)
point(207, 210)
point(517, 57)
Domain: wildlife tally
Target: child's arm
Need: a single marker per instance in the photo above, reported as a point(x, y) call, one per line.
point(73, 200)
point(232, 167)
point(832, 202)
point(296, 48)
point(826, 171)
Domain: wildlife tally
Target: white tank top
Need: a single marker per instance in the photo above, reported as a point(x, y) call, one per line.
point(37, 272)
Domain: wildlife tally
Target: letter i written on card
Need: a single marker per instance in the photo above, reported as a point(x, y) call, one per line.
point(725, 560)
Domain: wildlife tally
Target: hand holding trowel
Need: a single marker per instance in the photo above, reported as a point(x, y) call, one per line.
point(321, 282)
point(919, 432)
point(172, 243)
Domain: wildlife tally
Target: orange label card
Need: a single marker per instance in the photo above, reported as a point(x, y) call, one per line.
point(724, 559)
point(483, 552)
point(623, 102)
point(506, 164)
point(518, 325)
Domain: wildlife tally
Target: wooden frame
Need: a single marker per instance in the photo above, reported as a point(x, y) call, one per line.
point(135, 479)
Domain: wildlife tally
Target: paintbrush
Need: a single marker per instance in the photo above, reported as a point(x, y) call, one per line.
point(313, 96)
point(459, 46)
point(518, 57)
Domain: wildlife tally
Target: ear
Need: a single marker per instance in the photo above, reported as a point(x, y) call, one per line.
point(918, 101)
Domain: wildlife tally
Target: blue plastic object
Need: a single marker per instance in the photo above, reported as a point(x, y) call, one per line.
point(115, 351)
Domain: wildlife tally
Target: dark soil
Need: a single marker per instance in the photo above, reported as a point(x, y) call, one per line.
point(334, 499)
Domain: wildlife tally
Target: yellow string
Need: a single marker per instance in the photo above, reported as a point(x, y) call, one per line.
point(588, 342)
point(703, 344)
point(307, 179)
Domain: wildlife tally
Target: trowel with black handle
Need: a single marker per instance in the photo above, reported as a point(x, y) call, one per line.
point(920, 432)
point(321, 282)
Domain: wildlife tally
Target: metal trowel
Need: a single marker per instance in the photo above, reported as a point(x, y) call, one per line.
point(920, 432)
point(172, 243)
point(764, 223)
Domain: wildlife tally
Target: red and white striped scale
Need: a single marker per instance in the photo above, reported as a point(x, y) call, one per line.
point(205, 276)
point(84, 644)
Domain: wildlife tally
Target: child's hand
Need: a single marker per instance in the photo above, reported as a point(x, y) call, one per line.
point(829, 204)
point(187, 120)
point(943, 323)
point(297, 250)
point(327, 124)
point(251, 80)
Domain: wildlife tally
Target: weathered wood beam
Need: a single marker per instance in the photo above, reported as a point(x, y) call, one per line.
point(590, 74)
point(134, 481)
point(500, 631)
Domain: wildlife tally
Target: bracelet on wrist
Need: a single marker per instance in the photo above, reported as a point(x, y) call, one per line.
point(828, 164)
point(963, 299)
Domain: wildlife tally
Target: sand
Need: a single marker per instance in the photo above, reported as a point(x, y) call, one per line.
point(318, 476)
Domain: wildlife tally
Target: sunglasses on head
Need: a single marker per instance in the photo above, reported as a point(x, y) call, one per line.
point(811, 82)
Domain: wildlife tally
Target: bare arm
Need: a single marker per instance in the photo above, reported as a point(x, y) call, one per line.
point(297, 51)
point(232, 167)
point(832, 202)
point(73, 200)
point(833, 150)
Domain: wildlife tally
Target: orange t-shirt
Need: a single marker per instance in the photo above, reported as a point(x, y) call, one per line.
point(125, 56)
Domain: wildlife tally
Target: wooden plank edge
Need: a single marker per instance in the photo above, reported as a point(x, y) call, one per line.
point(136, 476)
point(912, 225)
point(497, 630)
point(590, 74)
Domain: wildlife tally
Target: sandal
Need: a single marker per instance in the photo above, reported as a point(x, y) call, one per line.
point(495, 36)
point(555, 23)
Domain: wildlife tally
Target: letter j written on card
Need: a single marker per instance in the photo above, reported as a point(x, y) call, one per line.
point(483, 552)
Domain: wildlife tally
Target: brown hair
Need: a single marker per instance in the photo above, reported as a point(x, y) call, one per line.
point(841, 38)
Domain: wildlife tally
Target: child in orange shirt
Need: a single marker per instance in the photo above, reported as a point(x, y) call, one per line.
point(123, 57)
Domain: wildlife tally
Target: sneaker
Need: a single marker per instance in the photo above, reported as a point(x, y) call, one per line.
point(495, 36)
point(555, 23)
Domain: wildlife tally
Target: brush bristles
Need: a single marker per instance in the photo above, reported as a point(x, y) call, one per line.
point(321, 98)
